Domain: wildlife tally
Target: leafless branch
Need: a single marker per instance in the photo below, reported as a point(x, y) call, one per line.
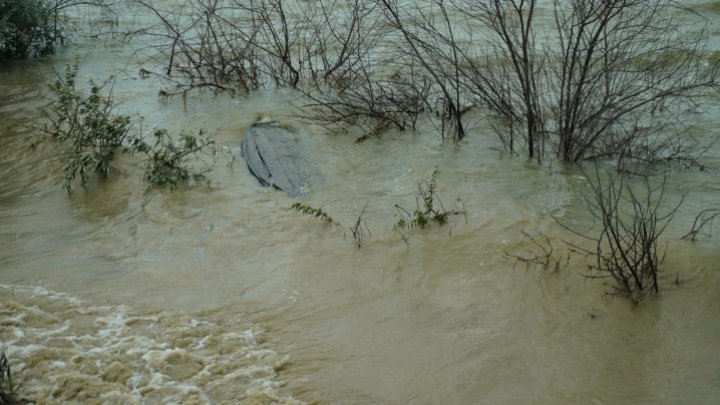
point(705, 217)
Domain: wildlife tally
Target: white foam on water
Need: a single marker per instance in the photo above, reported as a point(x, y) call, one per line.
point(63, 349)
point(249, 337)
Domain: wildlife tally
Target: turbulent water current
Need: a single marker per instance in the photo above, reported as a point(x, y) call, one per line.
point(222, 294)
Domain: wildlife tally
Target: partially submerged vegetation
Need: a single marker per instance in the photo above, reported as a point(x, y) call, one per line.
point(429, 209)
point(314, 212)
point(614, 80)
point(169, 161)
point(36, 27)
point(86, 127)
point(629, 215)
point(626, 246)
point(359, 230)
point(9, 394)
point(90, 133)
point(703, 223)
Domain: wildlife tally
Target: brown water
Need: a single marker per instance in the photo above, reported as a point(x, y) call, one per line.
point(222, 294)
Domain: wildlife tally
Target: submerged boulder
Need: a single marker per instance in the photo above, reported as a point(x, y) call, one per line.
point(274, 157)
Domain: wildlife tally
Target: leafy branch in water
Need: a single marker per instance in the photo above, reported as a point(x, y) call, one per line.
point(314, 212)
point(429, 209)
point(169, 161)
point(359, 230)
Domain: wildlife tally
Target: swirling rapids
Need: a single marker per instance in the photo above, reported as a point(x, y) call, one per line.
point(64, 349)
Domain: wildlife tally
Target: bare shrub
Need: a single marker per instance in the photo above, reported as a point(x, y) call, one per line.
point(360, 230)
point(369, 101)
point(207, 44)
point(390, 83)
point(235, 45)
point(540, 253)
point(611, 78)
point(428, 39)
point(626, 73)
point(626, 245)
point(339, 35)
point(360, 78)
point(505, 75)
point(275, 31)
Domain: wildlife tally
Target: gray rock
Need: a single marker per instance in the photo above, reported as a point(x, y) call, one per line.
point(275, 159)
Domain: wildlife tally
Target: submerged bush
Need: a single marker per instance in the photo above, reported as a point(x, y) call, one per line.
point(169, 161)
point(27, 27)
point(89, 133)
point(37, 27)
point(629, 220)
point(86, 127)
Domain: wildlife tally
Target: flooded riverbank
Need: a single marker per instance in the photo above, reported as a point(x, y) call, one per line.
point(223, 293)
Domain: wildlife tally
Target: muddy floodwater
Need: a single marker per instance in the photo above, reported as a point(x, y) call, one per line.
point(222, 294)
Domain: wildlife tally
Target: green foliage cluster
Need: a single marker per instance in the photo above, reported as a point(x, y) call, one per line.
point(28, 27)
point(87, 127)
point(168, 160)
point(90, 133)
point(429, 209)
